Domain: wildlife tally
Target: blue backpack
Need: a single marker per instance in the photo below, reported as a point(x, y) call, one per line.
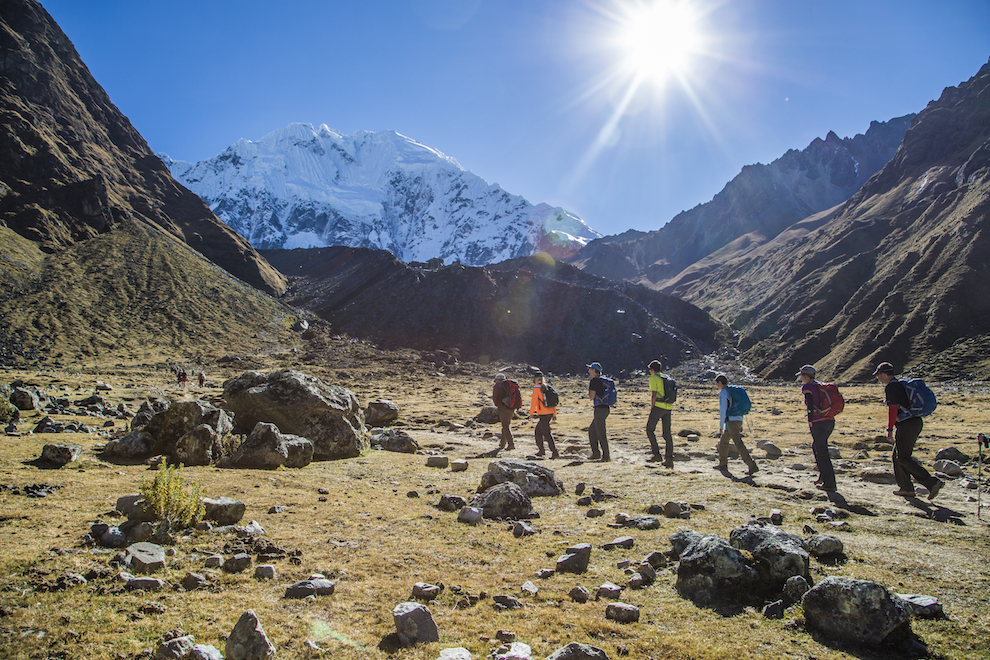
point(611, 395)
point(923, 401)
point(739, 403)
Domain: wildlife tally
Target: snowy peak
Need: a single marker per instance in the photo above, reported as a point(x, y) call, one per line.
point(301, 186)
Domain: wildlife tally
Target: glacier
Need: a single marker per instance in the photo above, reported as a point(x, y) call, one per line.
point(301, 186)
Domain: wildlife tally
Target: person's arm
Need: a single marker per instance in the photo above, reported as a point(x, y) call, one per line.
point(809, 401)
point(591, 394)
point(723, 409)
point(892, 411)
point(534, 402)
point(653, 399)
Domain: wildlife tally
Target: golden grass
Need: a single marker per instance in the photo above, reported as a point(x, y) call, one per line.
point(376, 542)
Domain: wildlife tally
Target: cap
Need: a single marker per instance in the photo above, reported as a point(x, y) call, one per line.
point(806, 370)
point(884, 368)
point(499, 376)
point(597, 366)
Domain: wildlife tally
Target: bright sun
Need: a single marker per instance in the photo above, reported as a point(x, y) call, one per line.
point(658, 40)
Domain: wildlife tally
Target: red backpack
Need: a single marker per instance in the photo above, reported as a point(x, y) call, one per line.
point(513, 397)
point(830, 400)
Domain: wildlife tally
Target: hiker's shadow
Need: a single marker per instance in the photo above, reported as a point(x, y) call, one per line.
point(938, 513)
point(840, 501)
point(747, 479)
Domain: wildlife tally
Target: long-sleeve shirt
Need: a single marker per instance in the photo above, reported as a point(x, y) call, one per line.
point(537, 405)
point(723, 409)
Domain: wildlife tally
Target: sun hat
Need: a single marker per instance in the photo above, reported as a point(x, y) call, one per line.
point(884, 368)
point(806, 370)
point(499, 377)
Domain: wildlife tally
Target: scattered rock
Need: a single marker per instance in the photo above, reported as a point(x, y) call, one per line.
point(451, 502)
point(779, 554)
point(194, 581)
point(624, 542)
point(575, 559)
point(414, 624)
point(877, 475)
point(579, 594)
point(425, 591)
point(950, 468)
point(505, 501)
point(471, 515)
point(176, 648)
point(521, 529)
point(534, 479)
point(952, 454)
point(856, 611)
point(60, 455)
point(513, 651)
point(609, 590)
point(248, 641)
point(578, 651)
point(824, 545)
point(774, 610)
point(312, 587)
point(221, 510)
point(458, 465)
point(237, 563)
point(437, 462)
point(381, 413)
point(264, 572)
point(145, 557)
point(622, 612)
point(394, 440)
point(795, 588)
point(711, 570)
point(505, 602)
point(923, 607)
point(772, 450)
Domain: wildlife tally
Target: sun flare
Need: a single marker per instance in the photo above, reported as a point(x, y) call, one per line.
point(658, 40)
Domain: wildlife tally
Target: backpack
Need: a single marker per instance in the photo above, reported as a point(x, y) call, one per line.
point(739, 403)
point(611, 395)
point(669, 390)
point(830, 400)
point(551, 397)
point(923, 401)
point(513, 397)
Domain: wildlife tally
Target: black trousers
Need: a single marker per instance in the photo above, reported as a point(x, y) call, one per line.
point(820, 432)
point(658, 414)
point(597, 435)
point(906, 434)
point(543, 433)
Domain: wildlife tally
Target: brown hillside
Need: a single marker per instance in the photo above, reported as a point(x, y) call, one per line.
point(71, 165)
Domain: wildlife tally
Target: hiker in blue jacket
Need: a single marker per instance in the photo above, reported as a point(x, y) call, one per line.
point(732, 425)
point(903, 435)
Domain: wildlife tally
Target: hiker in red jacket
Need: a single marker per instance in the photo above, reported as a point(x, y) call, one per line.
point(821, 424)
point(502, 396)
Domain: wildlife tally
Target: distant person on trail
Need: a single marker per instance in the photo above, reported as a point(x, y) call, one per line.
point(821, 425)
point(183, 377)
point(732, 425)
point(903, 431)
point(544, 413)
point(597, 434)
point(659, 412)
point(505, 395)
point(202, 379)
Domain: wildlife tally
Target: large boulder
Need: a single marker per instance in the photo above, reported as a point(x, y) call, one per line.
point(23, 399)
point(248, 641)
point(504, 501)
point(381, 413)
point(136, 445)
point(327, 415)
point(264, 449)
point(59, 455)
point(856, 611)
point(712, 572)
point(414, 624)
point(778, 555)
point(179, 420)
point(300, 451)
point(535, 480)
point(198, 447)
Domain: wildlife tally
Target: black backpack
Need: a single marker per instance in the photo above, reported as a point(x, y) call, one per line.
point(669, 390)
point(551, 397)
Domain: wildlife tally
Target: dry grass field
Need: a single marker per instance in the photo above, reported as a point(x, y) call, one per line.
point(376, 540)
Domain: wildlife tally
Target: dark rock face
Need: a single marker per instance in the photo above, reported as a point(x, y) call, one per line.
point(264, 449)
point(762, 200)
point(711, 571)
point(856, 611)
point(327, 415)
point(523, 310)
point(71, 165)
point(505, 501)
point(778, 555)
point(535, 480)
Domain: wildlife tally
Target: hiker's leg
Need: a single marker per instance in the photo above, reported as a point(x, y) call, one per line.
point(596, 451)
point(820, 432)
point(505, 416)
point(740, 446)
point(548, 434)
point(668, 438)
point(906, 434)
point(601, 413)
point(651, 429)
point(723, 447)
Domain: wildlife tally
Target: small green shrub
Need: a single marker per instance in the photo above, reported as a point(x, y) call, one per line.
point(7, 410)
point(167, 497)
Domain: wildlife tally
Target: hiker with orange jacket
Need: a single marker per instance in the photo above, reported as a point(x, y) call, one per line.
point(538, 408)
point(506, 397)
point(821, 423)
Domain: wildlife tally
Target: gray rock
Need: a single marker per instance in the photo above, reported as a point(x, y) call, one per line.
point(328, 415)
point(575, 559)
point(265, 449)
point(578, 651)
point(470, 515)
point(648, 572)
point(300, 450)
point(579, 594)
point(304, 588)
point(521, 529)
point(824, 545)
point(680, 540)
point(710, 570)
point(506, 602)
point(488, 415)
point(170, 426)
point(145, 557)
point(834, 453)
point(144, 584)
point(656, 559)
point(197, 447)
point(622, 612)
point(877, 475)
point(504, 501)
point(952, 454)
point(414, 624)
point(213, 561)
point(795, 588)
point(394, 440)
point(381, 413)
point(455, 653)
point(774, 610)
point(458, 465)
point(248, 641)
point(194, 581)
point(253, 528)
point(777, 517)
point(672, 510)
point(175, 649)
point(624, 542)
point(951, 468)
point(133, 446)
point(594, 513)
point(609, 590)
point(856, 611)
point(59, 455)
point(205, 652)
point(545, 573)
point(512, 651)
point(923, 607)
point(126, 503)
point(264, 572)
point(223, 510)
point(451, 502)
point(779, 554)
point(530, 588)
point(534, 479)
point(772, 450)
point(642, 522)
point(425, 591)
point(437, 462)
point(25, 399)
point(237, 563)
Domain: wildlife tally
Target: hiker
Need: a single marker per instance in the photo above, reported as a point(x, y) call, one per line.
point(903, 430)
point(732, 423)
point(821, 424)
point(502, 396)
point(597, 434)
point(660, 411)
point(538, 408)
point(202, 379)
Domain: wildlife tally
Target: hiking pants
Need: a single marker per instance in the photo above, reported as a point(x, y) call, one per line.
point(658, 414)
point(820, 432)
point(733, 432)
point(597, 435)
point(543, 433)
point(505, 416)
point(905, 466)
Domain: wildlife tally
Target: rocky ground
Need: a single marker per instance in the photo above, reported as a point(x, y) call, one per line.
point(371, 525)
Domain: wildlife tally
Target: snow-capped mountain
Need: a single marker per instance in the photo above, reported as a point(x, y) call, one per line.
point(306, 187)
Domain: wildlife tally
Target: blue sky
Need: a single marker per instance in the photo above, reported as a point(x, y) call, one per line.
point(531, 94)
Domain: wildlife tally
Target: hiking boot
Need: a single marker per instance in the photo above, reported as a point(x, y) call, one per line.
point(753, 469)
point(669, 465)
point(655, 458)
point(827, 489)
point(555, 455)
point(595, 456)
point(933, 491)
point(721, 467)
point(904, 493)
point(540, 453)
point(510, 447)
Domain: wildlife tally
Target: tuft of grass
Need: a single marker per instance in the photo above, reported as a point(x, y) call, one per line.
point(168, 498)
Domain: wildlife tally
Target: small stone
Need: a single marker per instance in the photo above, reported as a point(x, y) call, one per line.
point(923, 607)
point(470, 515)
point(823, 545)
point(304, 588)
point(545, 573)
point(264, 572)
point(579, 488)
point(949, 468)
point(213, 561)
point(276, 509)
point(505, 636)
point(834, 453)
point(530, 588)
point(437, 462)
point(194, 581)
point(609, 590)
point(795, 588)
point(595, 513)
point(425, 591)
point(248, 641)
point(672, 510)
point(579, 594)
point(522, 528)
point(622, 612)
point(656, 559)
point(176, 648)
point(772, 450)
point(237, 563)
point(506, 602)
point(458, 465)
point(624, 542)
point(777, 517)
point(774, 610)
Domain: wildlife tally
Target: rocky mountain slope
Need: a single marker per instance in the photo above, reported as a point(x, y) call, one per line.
point(533, 310)
point(303, 187)
point(759, 203)
point(71, 165)
point(898, 272)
